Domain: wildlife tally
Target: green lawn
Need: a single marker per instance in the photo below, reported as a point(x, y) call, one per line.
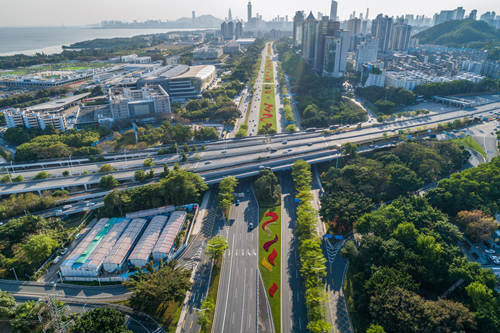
point(275, 275)
point(469, 142)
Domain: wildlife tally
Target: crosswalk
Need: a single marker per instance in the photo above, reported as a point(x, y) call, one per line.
point(241, 253)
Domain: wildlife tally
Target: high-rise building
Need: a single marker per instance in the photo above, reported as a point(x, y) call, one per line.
point(227, 30)
point(193, 15)
point(238, 30)
point(319, 44)
point(382, 30)
point(309, 38)
point(229, 15)
point(354, 26)
point(367, 12)
point(473, 14)
point(298, 22)
point(366, 52)
point(335, 57)
point(333, 11)
point(249, 17)
point(488, 17)
point(449, 15)
point(400, 38)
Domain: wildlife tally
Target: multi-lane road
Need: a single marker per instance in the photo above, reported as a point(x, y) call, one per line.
point(237, 306)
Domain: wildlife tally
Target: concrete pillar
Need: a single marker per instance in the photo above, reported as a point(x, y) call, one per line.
point(85, 186)
point(40, 193)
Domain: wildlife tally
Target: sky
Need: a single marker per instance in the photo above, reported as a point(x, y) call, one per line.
point(83, 12)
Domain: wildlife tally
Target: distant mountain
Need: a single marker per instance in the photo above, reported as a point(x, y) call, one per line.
point(463, 33)
point(203, 21)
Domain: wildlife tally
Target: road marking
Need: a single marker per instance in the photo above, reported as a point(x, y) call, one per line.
point(243, 298)
point(190, 326)
point(228, 287)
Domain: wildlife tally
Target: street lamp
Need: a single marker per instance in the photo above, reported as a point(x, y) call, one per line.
point(14, 270)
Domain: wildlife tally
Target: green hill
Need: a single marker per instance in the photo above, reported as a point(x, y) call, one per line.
point(464, 33)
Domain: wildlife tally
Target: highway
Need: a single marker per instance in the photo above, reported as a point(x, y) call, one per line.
point(293, 309)
point(250, 154)
point(237, 306)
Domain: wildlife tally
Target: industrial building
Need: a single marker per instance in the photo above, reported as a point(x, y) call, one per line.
point(116, 258)
point(142, 251)
point(166, 240)
point(114, 244)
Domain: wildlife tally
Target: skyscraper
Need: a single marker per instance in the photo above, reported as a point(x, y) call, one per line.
point(298, 22)
point(382, 30)
point(400, 38)
point(309, 38)
point(238, 30)
point(229, 15)
point(473, 14)
point(319, 44)
point(333, 11)
point(249, 11)
point(335, 57)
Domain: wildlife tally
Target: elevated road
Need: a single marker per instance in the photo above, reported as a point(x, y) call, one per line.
point(27, 289)
point(236, 158)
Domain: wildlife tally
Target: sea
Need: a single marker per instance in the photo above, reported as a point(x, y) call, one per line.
point(49, 40)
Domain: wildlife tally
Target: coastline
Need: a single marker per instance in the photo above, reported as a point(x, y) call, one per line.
point(56, 46)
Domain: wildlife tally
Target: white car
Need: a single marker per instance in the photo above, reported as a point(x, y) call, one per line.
point(490, 251)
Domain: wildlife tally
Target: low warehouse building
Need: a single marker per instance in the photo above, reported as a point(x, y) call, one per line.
point(165, 243)
point(142, 251)
point(118, 254)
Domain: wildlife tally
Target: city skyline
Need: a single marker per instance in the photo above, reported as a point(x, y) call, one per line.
point(58, 12)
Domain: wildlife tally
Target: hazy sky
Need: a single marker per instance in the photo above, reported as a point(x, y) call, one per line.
point(80, 12)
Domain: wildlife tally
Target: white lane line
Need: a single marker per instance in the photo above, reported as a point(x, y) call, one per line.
point(228, 288)
point(243, 298)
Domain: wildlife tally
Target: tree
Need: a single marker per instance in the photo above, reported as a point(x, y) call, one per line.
point(477, 225)
point(108, 182)
point(225, 196)
point(181, 187)
point(101, 320)
point(205, 316)
point(342, 209)
point(140, 176)
point(301, 174)
point(106, 168)
point(350, 149)
point(148, 162)
point(65, 173)
point(375, 329)
point(486, 306)
point(267, 187)
point(217, 246)
point(39, 247)
point(26, 317)
point(42, 175)
point(153, 288)
point(7, 305)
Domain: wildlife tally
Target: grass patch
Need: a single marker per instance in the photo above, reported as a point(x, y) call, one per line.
point(267, 113)
point(275, 275)
point(359, 323)
point(469, 142)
